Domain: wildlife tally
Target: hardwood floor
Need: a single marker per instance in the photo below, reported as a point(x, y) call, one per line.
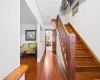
point(47, 69)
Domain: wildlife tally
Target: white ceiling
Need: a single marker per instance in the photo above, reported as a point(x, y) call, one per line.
point(26, 15)
point(49, 9)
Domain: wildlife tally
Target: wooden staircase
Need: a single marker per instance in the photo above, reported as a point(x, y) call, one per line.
point(80, 63)
point(86, 67)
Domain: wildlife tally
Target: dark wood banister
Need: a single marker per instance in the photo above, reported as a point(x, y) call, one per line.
point(67, 42)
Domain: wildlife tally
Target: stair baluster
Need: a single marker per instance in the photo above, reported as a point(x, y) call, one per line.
point(68, 42)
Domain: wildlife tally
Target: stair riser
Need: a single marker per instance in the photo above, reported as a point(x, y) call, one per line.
point(78, 40)
point(87, 69)
point(88, 77)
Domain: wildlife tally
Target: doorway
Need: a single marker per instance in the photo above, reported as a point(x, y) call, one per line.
point(50, 41)
point(28, 40)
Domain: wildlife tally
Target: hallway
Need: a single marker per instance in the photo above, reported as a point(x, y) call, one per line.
point(47, 69)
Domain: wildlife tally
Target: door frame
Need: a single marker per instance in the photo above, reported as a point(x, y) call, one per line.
point(52, 36)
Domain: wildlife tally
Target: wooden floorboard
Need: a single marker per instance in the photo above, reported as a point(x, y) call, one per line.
point(47, 69)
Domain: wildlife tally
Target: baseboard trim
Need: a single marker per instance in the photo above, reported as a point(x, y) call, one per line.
point(96, 59)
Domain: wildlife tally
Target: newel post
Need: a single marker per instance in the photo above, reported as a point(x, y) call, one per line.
point(71, 43)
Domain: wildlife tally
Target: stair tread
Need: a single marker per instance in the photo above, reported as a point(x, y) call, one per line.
point(87, 76)
point(80, 46)
point(83, 58)
point(86, 64)
point(78, 41)
point(68, 28)
point(70, 32)
point(81, 52)
point(83, 48)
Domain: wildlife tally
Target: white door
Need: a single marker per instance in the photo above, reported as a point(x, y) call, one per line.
point(48, 41)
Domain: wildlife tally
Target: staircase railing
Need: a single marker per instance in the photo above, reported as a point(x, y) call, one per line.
point(67, 42)
point(17, 73)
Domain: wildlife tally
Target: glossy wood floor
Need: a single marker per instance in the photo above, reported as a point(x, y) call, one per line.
point(47, 69)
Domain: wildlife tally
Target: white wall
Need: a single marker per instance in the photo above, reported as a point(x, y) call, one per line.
point(34, 8)
point(10, 36)
point(59, 52)
point(32, 4)
point(24, 27)
point(41, 42)
point(87, 23)
point(49, 27)
point(42, 35)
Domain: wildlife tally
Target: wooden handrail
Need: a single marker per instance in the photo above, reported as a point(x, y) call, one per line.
point(67, 43)
point(17, 73)
point(63, 25)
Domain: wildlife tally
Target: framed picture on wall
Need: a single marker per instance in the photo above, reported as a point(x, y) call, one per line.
point(71, 2)
point(30, 35)
point(75, 9)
